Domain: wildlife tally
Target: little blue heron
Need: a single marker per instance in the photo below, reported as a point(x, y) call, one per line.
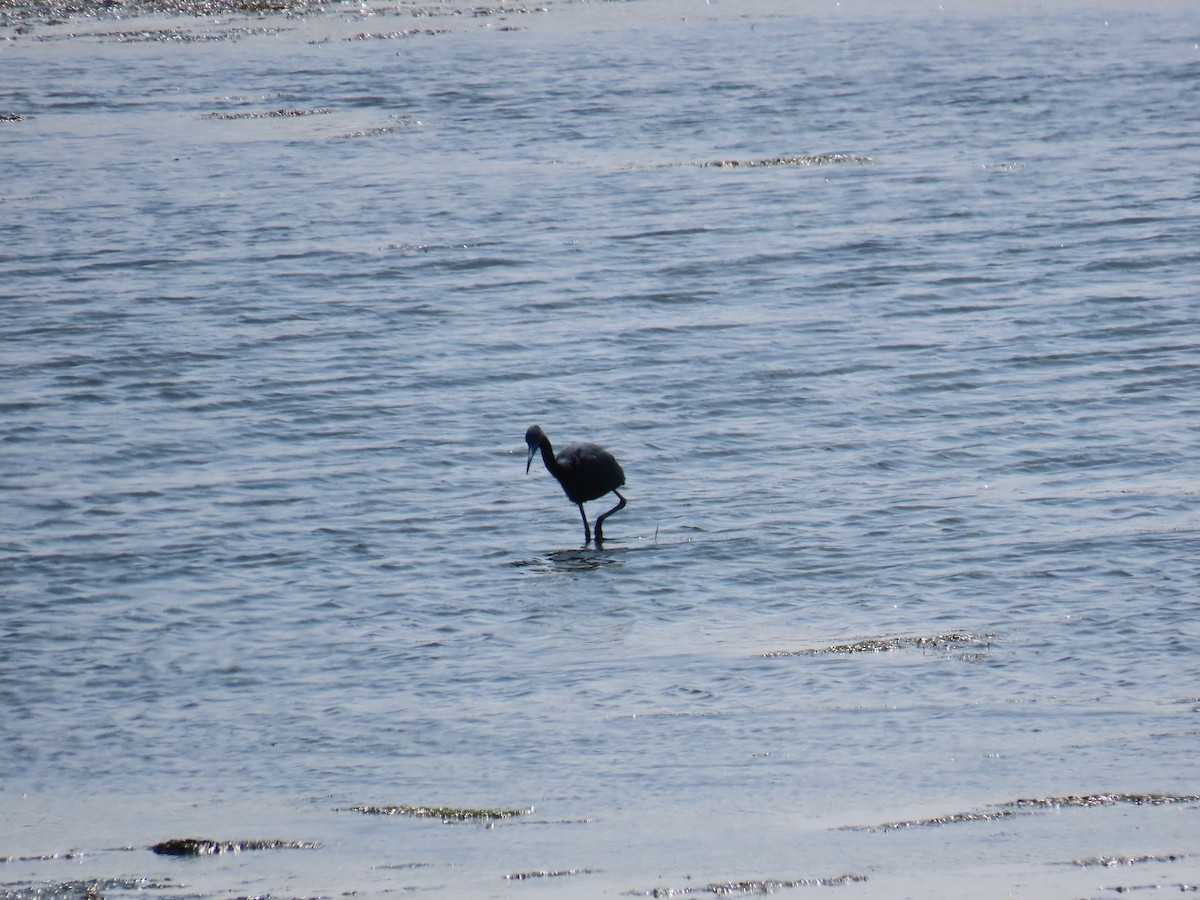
point(585, 471)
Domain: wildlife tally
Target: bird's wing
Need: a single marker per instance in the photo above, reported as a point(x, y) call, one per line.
point(592, 467)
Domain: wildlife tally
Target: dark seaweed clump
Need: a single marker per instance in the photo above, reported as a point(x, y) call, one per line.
point(952, 819)
point(52, 12)
point(83, 889)
point(207, 847)
point(528, 876)
point(272, 114)
point(820, 159)
point(954, 641)
point(1107, 800)
point(750, 886)
point(393, 35)
point(42, 857)
point(1029, 805)
point(1113, 862)
point(444, 813)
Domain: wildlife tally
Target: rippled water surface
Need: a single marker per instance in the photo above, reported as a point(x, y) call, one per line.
point(907, 411)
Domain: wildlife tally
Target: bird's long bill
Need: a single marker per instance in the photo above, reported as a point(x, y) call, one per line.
point(529, 459)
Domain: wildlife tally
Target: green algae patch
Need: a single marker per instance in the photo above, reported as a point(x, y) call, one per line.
point(208, 847)
point(444, 813)
point(942, 642)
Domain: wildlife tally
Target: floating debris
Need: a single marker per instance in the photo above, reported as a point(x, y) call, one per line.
point(952, 641)
point(207, 847)
point(273, 114)
point(11, 117)
point(820, 159)
point(444, 813)
point(526, 876)
point(754, 886)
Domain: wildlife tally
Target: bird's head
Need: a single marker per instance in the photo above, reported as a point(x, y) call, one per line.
point(533, 439)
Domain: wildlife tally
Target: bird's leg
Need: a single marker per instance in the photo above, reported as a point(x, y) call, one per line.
point(587, 530)
point(600, 521)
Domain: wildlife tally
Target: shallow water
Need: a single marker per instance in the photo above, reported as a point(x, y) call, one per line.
point(270, 552)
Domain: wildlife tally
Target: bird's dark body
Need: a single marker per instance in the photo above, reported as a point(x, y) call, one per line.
point(585, 471)
point(591, 472)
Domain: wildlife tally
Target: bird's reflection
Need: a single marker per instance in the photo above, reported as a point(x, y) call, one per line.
point(582, 560)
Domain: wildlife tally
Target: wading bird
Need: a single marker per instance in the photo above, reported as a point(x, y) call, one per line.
point(585, 472)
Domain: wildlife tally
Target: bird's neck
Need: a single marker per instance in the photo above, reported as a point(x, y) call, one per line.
point(552, 464)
